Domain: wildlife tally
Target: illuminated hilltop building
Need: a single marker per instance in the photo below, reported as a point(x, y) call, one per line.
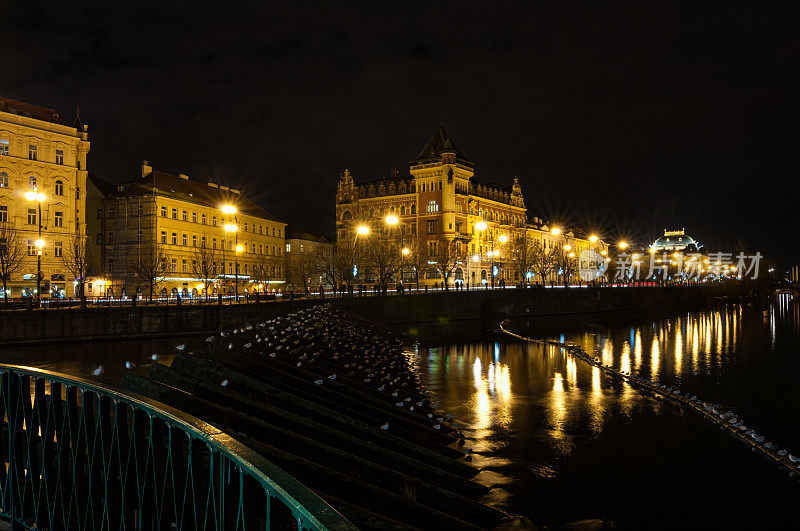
point(439, 201)
point(675, 240)
point(41, 154)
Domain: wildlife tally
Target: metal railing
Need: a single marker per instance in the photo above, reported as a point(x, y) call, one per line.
point(81, 455)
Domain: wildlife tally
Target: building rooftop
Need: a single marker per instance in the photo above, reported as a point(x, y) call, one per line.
point(296, 233)
point(439, 143)
point(183, 188)
point(31, 111)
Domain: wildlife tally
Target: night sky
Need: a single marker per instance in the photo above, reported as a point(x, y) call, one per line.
point(625, 120)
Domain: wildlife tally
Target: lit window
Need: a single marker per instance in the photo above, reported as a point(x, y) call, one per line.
point(31, 248)
point(3, 147)
point(31, 183)
point(3, 214)
point(3, 179)
point(433, 206)
point(32, 152)
point(59, 156)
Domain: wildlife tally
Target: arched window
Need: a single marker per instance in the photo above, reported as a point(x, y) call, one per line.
point(346, 215)
point(459, 274)
point(3, 179)
point(402, 210)
point(432, 273)
point(414, 209)
point(31, 183)
point(59, 188)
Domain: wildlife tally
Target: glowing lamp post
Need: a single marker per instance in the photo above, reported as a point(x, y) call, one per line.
point(234, 228)
point(38, 197)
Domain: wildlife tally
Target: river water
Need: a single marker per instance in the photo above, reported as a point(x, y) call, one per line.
point(559, 442)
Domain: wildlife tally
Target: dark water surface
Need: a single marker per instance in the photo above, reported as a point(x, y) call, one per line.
point(560, 442)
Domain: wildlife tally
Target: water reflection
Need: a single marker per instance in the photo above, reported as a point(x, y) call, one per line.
point(537, 413)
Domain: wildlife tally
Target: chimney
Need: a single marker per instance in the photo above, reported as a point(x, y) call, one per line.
point(146, 168)
point(183, 176)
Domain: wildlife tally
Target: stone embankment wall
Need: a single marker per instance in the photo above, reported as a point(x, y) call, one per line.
point(74, 324)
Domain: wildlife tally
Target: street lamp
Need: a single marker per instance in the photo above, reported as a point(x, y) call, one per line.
point(555, 231)
point(33, 195)
point(234, 228)
point(622, 245)
point(362, 230)
point(593, 238)
point(392, 221)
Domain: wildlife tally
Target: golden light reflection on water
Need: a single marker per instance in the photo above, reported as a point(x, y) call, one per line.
point(654, 358)
point(625, 361)
point(637, 350)
point(678, 351)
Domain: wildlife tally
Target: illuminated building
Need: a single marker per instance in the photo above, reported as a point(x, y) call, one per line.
point(191, 222)
point(675, 240)
point(39, 153)
point(440, 202)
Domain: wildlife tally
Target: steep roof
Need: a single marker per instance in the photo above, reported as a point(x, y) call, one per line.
point(439, 143)
point(26, 109)
point(105, 188)
point(193, 191)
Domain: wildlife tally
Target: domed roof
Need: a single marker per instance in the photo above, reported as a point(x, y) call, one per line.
point(674, 240)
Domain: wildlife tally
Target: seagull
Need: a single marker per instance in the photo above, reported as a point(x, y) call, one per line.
point(154, 357)
point(98, 371)
point(437, 426)
point(385, 427)
point(129, 365)
point(248, 345)
point(224, 383)
point(180, 347)
point(210, 339)
point(332, 376)
point(318, 382)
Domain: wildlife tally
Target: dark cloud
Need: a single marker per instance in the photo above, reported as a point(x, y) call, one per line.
point(626, 118)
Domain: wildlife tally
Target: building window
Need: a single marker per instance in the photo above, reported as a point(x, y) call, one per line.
point(174, 238)
point(203, 242)
point(433, 207)
point(99, 238)
point(31, 216)
point(174, 265)
point(260, 249)
point(254, 248)
point(163, 211)
point(110, 239)
point(31, 183)
point(58, 248)
point(194, 217)
point(261, 229)
point(3, 179)
point(139, 210)
point(432, 227)
point(194, 240)
point(60, 156)
point(213, 243)
point(245, 227)
point(163, 236)
point(184, 268)
point(185, 216)
point(3, 147)
point(33, 152)
point(185, 240)
point(214, 221)
point(31, 248)
point(174, 213)
point(59, 219)
point(3, 214)
point(203, 219)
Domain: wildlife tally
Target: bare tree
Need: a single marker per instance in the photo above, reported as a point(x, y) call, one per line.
point(300, 268)
point(382, 258)
point(203, 266)
point(264, 269)
point(12, 254)
point(448, 255)
point(523, 255)
point(566, 261)
point(152, 265)
point(543, 261)
point(81, 261)
point(337, 267)
point(418, 257)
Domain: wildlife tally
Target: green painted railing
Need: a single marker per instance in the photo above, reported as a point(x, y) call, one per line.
point(81, 455)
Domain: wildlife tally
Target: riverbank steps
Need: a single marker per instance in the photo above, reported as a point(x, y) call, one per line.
point(723, 417)
point(330, 398)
